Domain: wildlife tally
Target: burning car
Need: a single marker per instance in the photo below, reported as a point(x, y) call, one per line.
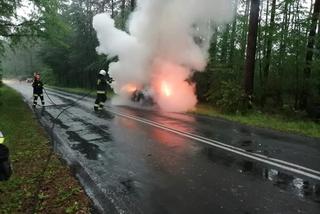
point(142, 96)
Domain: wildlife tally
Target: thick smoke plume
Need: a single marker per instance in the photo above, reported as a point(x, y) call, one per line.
point(166, 41)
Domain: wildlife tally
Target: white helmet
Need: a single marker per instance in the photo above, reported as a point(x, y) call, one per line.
point(102, 72)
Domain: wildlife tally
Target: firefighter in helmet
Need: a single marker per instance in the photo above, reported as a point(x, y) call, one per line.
point(101, 90)
point(37, 90)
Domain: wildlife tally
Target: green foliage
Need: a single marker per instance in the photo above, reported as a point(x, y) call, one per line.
point(14, 27)
point(282, 83)
point(232, 98)
point(48, 76)
point(275, 121)
point(22, 60)
point(68, 57)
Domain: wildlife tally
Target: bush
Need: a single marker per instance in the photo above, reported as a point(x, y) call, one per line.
point(48, 76)
point(230, 98)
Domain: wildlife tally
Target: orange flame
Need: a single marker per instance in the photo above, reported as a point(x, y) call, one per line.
point(129, 88)
point(166, 90)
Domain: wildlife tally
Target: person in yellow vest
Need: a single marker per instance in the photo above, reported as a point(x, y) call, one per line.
point(1, 138)
point(5, 165)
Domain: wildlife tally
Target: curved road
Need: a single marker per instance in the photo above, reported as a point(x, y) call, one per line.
point(133, 160)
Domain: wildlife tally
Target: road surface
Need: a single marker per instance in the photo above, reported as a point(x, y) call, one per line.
point(132, 160)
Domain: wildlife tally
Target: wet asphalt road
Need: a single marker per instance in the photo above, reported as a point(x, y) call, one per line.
point(142, 161)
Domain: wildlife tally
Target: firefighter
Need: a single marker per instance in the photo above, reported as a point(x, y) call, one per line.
point(101, 90)
point(37, 90)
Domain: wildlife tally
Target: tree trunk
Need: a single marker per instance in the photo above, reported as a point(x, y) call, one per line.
point(233, 34)
point(213, 46)
point(112, 8)
point(260, 46)
point(133, 5)
point(270, 40)
point(251, 49)
point(123, 18)
point(318, 41)
point(284, 35)
point(224, 45)
point(297, 28)
point(283, 49)
point(245, 30)
point(309, 55)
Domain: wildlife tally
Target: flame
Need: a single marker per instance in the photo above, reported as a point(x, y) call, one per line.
point(130, 88)
point(166, 90)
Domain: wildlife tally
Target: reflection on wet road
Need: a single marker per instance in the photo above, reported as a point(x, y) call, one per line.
point(141, 168)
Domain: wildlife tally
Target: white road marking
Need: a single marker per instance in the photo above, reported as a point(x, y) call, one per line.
point(298, 169)
point(295, 168)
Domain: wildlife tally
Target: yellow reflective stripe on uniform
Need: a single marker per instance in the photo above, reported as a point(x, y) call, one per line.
point(98, 82)
point(1, 138)
point(101, 92)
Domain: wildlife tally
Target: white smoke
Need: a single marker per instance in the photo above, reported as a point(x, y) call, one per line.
point(167, 40)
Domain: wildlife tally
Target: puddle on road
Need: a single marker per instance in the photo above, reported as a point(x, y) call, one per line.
point(251, 145)
point(54, 120)
point(103, 114)
point(90, 150)
point(101, 130)
point(303, 188)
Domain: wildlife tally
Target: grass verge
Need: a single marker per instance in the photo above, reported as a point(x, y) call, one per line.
point(276, 122)
point(29, 148)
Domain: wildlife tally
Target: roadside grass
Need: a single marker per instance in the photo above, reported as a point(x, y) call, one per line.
point(29, 148)
point(271, 121)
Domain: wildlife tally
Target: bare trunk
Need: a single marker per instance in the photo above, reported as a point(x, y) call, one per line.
point(251, 49)
point(224, 48)
point(297, 27)
point(112, 8)
point(123, 15)
point(245, 30)
point(133, 5)
point(309, 55)
point(233, 34)
point(270, 41)
point(260, 46)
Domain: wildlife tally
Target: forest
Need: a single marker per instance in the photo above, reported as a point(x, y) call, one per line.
point(267, 58)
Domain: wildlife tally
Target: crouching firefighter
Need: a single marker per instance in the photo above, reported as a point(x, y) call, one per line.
point(37, 90)
point(101, 91)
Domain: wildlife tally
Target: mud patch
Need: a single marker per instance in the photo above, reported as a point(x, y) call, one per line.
point(89, 150)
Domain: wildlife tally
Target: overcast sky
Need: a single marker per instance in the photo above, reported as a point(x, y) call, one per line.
point(27, 8)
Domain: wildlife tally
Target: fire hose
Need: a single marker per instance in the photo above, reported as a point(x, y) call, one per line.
point(40, 178)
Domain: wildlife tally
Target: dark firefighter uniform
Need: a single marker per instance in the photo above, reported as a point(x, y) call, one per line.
point(101, 91)
point(37, 91)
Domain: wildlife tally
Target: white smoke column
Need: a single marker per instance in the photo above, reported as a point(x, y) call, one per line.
point(160, 49)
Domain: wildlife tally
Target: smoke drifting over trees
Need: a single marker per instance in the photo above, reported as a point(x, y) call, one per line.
point(161, 47)
point(286, 74)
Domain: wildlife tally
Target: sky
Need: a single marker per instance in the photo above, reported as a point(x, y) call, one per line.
point(27, 7)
